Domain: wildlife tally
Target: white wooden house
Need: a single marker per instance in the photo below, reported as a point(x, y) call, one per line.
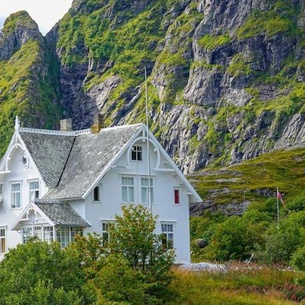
point(56, 184)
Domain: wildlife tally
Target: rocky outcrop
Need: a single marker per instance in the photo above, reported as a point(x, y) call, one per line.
point(18, 29)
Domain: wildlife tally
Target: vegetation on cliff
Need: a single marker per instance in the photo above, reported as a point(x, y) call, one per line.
point(28, 78)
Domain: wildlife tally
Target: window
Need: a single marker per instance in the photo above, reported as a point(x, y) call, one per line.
point(2, 240)
point(136, 153)
point(167, 235)
point(76, 231)
point(15, 195)
point(177, 196)
point(145, 190)
point(33, 190)
point(38, 232)
point(43, 233)
point(127, 189)
point(105, 231)
point(48, 234)
point(65, 235)
point(96, 194)
point(26, 234)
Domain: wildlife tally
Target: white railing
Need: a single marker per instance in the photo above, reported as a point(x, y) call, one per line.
point(55, 132)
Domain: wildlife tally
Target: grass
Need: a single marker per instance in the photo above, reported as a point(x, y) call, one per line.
point(242, 284)
point(283, 169)
point(211, 42)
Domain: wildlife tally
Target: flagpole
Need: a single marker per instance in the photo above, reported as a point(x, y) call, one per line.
point(148, 148)
point(277, 208)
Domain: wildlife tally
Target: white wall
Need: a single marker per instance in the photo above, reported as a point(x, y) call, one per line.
point(164, 182)
point(18, 172)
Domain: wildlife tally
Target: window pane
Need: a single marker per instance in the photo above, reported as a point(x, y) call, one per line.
point(144, 196)
point(34, 185)
point(167, 235)
point(16, 187)
point(177, 196)
point(124, 194)
point(48, 234)
point(2, 241)
point(26, 234)
point(136, 153)
point(2, 245)
point(96, 194)
point(131, 194)
point(34, 190)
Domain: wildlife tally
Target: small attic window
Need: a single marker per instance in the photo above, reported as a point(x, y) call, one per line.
point(24, 159)
point(136, 153)
point(96, 194)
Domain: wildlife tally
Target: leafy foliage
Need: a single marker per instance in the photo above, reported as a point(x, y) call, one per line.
point(40, 273)
point(134, 268)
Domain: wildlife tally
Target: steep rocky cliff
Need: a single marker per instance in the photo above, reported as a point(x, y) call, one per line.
point(225, 78)
point(28, 78)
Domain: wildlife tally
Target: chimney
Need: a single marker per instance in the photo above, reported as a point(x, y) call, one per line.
point(66, 125)
point(97, 123)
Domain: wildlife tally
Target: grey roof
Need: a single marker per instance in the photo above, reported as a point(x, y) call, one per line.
point(49, 152)
point(61, 214)
point(90, 155)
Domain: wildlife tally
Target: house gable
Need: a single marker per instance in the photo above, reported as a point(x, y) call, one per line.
point(55, 214)
point(162, 161)
point(31, 215)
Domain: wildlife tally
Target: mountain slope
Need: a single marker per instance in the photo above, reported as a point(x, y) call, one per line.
point(231, 189)
point(225, 78)
point(27, 80)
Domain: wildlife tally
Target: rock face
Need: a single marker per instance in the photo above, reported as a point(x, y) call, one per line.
point(225, 78)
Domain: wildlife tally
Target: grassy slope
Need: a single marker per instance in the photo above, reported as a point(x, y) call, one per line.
point(283, 169)
point(242, 285)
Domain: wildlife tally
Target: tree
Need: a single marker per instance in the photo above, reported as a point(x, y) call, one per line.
point(133, 239)
point(40, 273)
point(281, 242)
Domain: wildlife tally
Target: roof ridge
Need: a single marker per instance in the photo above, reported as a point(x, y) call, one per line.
point(121, 126)
point(72, 132)
point(54, 132)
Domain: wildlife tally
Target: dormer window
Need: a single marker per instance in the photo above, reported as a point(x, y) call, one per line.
point(136, 153)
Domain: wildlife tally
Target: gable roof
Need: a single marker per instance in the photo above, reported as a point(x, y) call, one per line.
point(89, 156)
point(61, 214)
point(49, 152)
point(55, 213)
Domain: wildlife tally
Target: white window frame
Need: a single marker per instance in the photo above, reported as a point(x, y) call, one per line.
point(177, 189)
point(65, 235)
point(3, 240)
point(34, 191)
point(136, 153)
point(168, 232)
point(14, 195)
point(128, 189)
point(26, 234)
point(48, 234)
point(44, 233)
point(145, 190)
point(105, 223)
